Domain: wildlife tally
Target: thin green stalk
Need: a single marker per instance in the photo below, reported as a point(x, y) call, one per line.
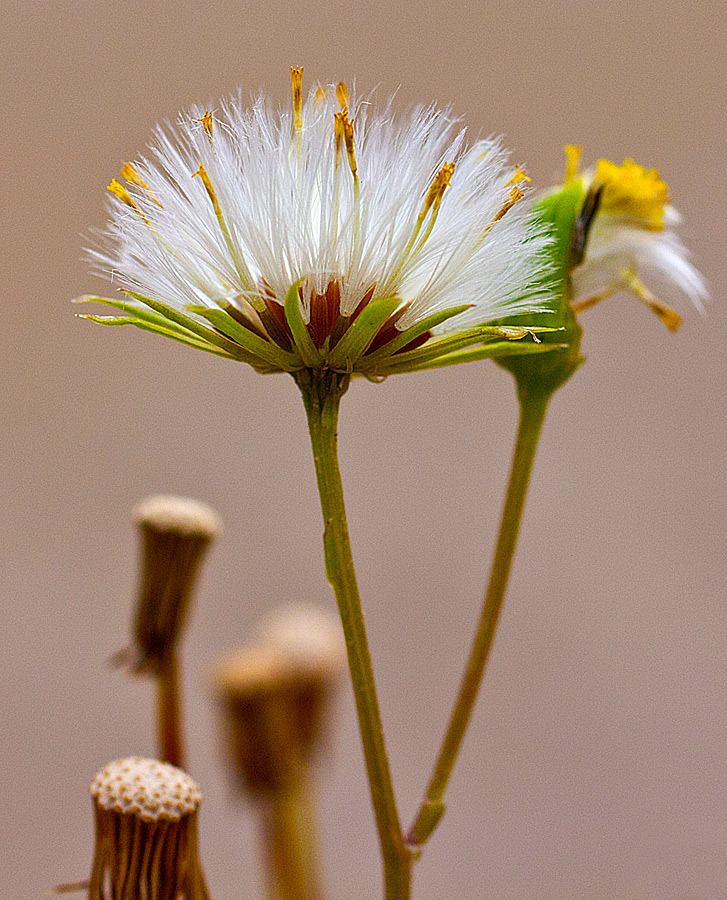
point(322, 395)
point(532, 413)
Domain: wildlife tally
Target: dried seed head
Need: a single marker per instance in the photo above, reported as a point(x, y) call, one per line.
point(146, 833)
point(146, 788)
point(180, 515)
point(276, 697)
point(175, 533)
point(305, 636)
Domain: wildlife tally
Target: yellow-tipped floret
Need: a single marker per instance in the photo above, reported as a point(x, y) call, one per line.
point(207, 122)
point(573, 153)
point(632, 190)
point(296, 80)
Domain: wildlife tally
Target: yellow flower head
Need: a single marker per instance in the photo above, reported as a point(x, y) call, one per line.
point(625, 225)
point(631, 190)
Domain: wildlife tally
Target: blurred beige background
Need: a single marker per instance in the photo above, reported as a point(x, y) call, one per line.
point(595, 769)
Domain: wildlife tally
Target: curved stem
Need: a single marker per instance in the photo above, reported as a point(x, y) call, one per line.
point(532, 413)
point(169, 712)
point(321, 395)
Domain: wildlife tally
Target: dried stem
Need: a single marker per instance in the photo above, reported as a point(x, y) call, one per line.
point(169, 711)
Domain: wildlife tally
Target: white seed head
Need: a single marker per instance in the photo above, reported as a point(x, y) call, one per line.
point(347, 206)
point(145, 788)
point(178, 514)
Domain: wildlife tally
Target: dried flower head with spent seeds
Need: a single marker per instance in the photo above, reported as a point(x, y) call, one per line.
point(331, 235)
point(306, 635)
point(146, 833)
point(276, 696)
point(175, 533)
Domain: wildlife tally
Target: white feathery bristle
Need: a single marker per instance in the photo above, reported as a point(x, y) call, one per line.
point(292, 211)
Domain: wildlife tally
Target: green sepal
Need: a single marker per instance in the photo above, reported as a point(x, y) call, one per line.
point(137, 312)
point(256, 346)
point(156, 328)
point(158, 323)
point(560, 209)
point(411, 334)
point(413, 359)
point(493, 350)
point(361, 333)
point(309, 353)
point(207, 334)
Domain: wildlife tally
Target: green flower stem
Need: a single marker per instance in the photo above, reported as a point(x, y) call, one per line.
point(322, 394)
point(169, 712)
point(533, 407)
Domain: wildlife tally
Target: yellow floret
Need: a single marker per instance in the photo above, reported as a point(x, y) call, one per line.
point(632, 190)
point(573, 153)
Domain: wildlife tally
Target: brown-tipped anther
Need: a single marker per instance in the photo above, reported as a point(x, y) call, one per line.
point(670, 317)
point(118, 190)
point(175, 534)
point(339, 119)
point(349, 142)
point(207, 122)
point(343, 130)
point(342, 95)
point(514, 195)
point(276, 699)
point(146, 833)
point(131, 174)
point(296, 80)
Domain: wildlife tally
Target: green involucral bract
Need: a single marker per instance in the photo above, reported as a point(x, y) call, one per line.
point(228, 338)
point(545, 373)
